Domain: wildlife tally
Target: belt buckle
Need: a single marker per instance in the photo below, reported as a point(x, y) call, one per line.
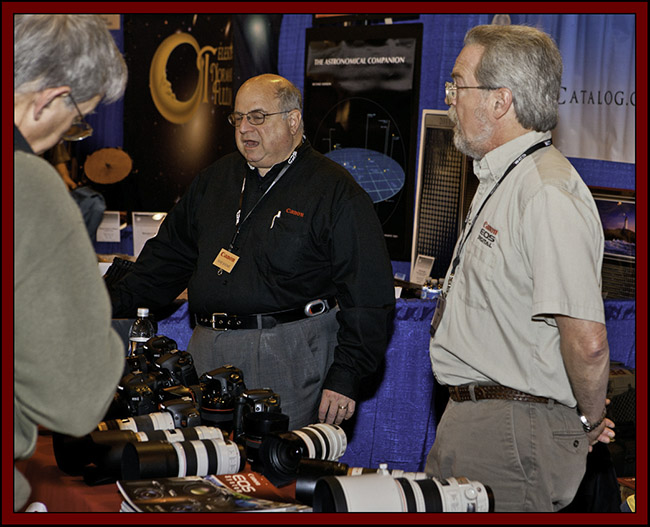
point(480, 392)
point(213, 321)
point(319, 304)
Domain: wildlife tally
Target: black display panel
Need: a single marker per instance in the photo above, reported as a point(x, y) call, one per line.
point(361, 110)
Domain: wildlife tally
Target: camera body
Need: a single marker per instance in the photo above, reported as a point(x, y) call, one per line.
point(158, 346)
point(219, 389)
point(137, 394)
point(150, 352)
point(177, 368)
point(183, 411)
point(253, 401)
point(152, 377)
point(162, 379)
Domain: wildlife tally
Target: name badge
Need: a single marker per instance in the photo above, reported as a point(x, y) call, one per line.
point(225, 260)
point(437, 314)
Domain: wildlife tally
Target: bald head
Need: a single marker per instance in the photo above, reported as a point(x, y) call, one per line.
point(272, 141)
point(283, 89)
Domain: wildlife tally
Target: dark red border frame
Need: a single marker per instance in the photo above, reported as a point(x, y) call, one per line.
point(640, 517)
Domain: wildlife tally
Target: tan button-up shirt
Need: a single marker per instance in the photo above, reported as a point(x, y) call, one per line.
point(534, 251)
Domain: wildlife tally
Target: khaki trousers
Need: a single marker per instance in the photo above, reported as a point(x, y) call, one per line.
point(533, 456)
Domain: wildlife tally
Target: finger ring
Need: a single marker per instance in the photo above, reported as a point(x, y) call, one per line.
point(343, 407)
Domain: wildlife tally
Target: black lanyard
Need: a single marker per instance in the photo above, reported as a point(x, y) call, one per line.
point(239, 224)
point(528, 152)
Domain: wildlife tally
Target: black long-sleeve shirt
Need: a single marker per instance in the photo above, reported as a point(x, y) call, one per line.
point(315, 234)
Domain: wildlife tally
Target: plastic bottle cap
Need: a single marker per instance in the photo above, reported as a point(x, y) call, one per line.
point(37, 506)
point(143, 311)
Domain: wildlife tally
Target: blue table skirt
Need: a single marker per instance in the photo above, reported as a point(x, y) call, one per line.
point(395, 422)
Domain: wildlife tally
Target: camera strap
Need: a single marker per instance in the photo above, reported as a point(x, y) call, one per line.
point(226, 259)
point(442, 297)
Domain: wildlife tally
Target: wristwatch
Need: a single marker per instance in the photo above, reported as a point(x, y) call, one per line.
point(589, 427)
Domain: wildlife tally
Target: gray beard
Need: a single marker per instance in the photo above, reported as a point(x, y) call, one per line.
point(473, 148)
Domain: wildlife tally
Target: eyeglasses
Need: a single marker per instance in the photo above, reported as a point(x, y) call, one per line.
point(80, 128)
point(451, 90)
point(255, 117)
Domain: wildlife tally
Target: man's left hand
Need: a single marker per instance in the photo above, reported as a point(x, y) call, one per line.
point(604, 433)
point(335, 407)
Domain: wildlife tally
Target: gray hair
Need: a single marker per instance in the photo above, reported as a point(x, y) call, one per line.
point(67, 50)
point(289, 96)
point(528, 62)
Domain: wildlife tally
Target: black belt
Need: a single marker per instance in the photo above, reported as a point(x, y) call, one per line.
point(464, 393)
point(225, 321)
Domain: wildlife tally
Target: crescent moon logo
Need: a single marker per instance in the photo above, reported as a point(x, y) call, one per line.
point(163, 96)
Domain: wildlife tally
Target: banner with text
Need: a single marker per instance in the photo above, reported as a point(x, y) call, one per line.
point(598, 96)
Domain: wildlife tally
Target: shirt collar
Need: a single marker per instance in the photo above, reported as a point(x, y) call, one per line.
point(494, 163)
point(20, 143)
point(278, 166)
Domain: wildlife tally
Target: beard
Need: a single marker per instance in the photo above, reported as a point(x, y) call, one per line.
point(475, 147)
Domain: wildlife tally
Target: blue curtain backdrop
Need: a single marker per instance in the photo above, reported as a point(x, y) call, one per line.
point(107, 120)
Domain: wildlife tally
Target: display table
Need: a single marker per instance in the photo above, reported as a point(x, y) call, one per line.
point(60, 492)
point(395, 420)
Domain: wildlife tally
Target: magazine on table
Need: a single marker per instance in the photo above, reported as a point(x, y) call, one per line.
point(205, 494)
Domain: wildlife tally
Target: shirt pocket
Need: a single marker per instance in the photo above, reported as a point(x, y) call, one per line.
point(475, 282)
point(286, 244)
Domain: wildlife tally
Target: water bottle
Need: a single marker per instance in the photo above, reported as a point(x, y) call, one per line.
point(141, 331)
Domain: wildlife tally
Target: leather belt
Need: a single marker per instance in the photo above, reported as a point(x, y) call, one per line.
point(225, 321)
point(496, 391)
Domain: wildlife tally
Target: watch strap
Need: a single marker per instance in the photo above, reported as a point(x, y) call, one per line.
point(589, 427)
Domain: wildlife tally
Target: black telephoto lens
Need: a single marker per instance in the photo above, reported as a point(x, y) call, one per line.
point(279, 456)
point(257, 425)
point(73, 454)
point(280, 453)
point(310, 471)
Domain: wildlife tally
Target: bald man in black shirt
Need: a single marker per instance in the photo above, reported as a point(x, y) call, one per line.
point(279, 246)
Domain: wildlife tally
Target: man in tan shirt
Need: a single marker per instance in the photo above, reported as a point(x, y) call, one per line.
point(519, 335)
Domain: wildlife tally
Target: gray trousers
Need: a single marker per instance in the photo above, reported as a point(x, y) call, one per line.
point(533, 456)
point(291, 359)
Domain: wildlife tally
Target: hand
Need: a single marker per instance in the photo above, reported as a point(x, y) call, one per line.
point(335, 407)
point(604, 433)
point(70, 183)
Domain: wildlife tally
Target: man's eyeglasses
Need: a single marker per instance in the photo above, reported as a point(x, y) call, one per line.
point(255, 117)
point(80, 128)
point(451, 90)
